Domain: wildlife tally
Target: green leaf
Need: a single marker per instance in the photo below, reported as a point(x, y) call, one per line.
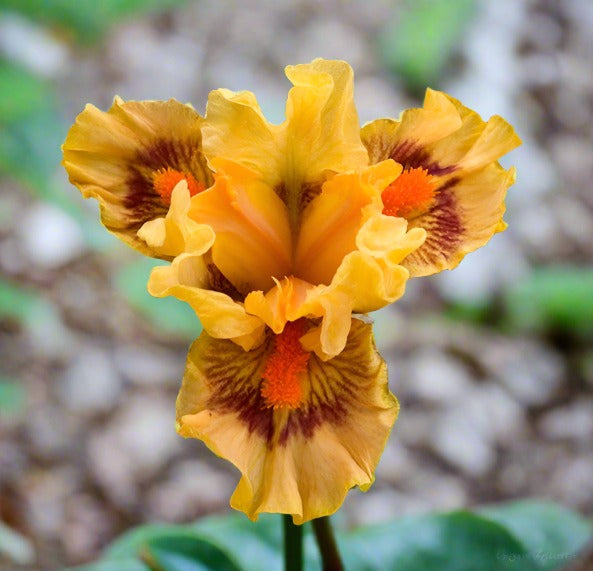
point(554, 298)
point(168, 314)
point(12, 397)
point(260, 543)
point(20, 92)
point(129, 564)
point(174, 548)
point(419, 43)
point(88, 20)
point(458, 541)
point(552, 534)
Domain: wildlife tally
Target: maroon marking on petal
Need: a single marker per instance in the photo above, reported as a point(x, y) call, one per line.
point(218, 282)
point(334, 387)
point(232, 393)
point(141, 200)
point(442, 224)
point(412, 155)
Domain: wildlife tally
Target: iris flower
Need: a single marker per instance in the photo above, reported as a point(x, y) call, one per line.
point(281, 237)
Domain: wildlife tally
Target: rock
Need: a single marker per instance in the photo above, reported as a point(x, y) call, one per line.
point(140, 440)
point(531, 372)
point(193, 488)
point(50, 237)
point(143, 365)
point(433, 376)
point(571, 422)
point(91, 383)
point(455, 438)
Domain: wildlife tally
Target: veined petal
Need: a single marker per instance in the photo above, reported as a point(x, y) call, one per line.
point(114, 157)
point(331, 222)
point(253, 242)
point(188, 278)
point(299, 461)
point(457, 149)
point(177, 232)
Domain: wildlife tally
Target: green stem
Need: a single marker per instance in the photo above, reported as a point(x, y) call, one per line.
point(293, 545)
point(328, 547)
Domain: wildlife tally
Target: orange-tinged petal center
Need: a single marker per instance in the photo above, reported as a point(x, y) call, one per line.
point(281, 387)
point(409, 195)
point(165, 180)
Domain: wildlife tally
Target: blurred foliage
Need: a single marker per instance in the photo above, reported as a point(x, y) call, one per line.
point(31, 131)
point(419, 43)
point(168, 314)
point(12, 397)
point(86, 20)
point(553, 299)
point(521, 536)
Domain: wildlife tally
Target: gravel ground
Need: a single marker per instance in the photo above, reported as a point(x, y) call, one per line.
point(485, 416)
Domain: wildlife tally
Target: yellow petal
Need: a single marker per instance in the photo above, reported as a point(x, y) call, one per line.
point(253, 240)
point(113, 156)
point(177, 232)
point(333, 219)
point(459, 151)
point(467, 213)
point(297, 461)
point(319, 136)
point(188, 278)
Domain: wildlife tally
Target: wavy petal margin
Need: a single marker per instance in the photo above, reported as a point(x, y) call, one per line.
point(300, 461)
point(113, 156)
point(459, 151)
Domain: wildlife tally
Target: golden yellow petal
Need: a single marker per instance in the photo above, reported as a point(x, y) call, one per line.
point(301, 461)
point(253, 240)
point(332, 221)
point(177, 232)
point(188, 279)
point(112, 156)
point(459, 151)
point(467, 213)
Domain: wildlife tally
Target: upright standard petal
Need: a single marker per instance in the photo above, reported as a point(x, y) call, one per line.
point(302, 442)
point(320, 135)
point(451, 185)
point(131, 157)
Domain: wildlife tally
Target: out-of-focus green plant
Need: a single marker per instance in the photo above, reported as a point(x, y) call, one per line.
point(418, 43)
point(167, 314)
point(85, 20)
point(553, 299)
point(519, 536)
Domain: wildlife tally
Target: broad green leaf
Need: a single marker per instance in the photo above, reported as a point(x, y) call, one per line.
point(174, 548)
point(459, 541)
point(552, 534)
point(129, 564)
point(420, 41)
point(168, 314)
point(15, 547)
point(259, 543)
point(12, 397)
point(554, 298)
point(88, 20)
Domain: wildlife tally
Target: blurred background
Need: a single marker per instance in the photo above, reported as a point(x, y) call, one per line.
point(492, 363)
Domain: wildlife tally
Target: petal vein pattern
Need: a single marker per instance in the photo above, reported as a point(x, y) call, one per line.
point(278, 236)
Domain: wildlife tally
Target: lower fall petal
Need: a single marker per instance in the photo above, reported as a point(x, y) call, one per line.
point(300, 461)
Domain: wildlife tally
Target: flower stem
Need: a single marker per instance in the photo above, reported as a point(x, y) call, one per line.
point(293, 545)
point(328, 547)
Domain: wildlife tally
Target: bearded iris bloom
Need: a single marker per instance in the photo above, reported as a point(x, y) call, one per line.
point(281, 238)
